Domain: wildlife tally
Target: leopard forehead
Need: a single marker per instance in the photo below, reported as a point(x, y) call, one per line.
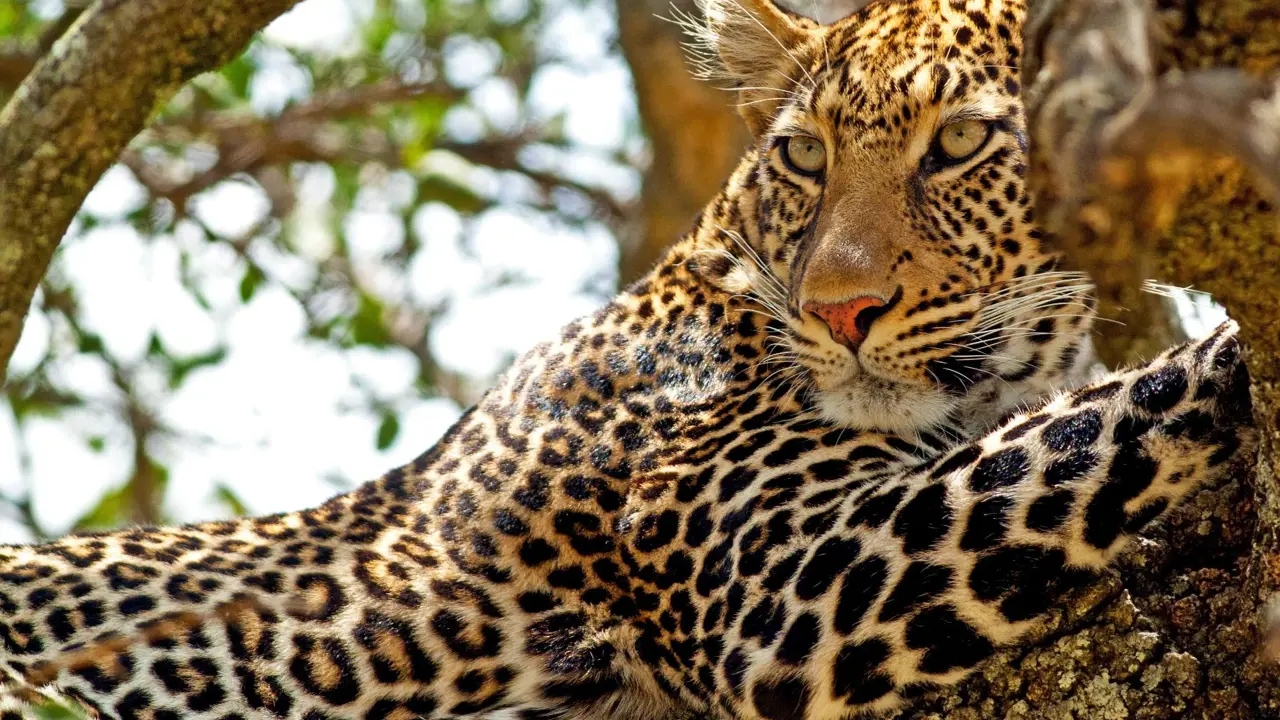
point(892, 74)
point(877, 87)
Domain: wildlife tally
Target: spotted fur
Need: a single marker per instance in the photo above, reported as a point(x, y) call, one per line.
point(696, 499)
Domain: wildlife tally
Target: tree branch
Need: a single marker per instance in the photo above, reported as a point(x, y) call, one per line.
point(306, 133)
point(249, 143)
point(18, 59)
point(78, 109)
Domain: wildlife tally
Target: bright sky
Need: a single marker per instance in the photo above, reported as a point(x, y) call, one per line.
point(274, 420)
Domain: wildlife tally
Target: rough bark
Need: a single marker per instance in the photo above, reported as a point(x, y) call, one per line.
point(695, 136)
point(1154, 145)
point(81, 105)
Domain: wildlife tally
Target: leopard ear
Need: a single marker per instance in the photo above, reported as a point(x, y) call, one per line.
point(750, 46)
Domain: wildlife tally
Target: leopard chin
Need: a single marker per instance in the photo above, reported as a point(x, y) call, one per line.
point(875, 403)
point(867, 401)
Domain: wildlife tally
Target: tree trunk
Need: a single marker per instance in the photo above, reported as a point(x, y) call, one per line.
point(1130, 144)
point(85, 100)
point(696, 137)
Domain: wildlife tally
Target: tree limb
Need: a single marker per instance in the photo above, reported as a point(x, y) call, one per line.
point(81, 105)
point(17, 59)
point(248, 143)
point(306, 132)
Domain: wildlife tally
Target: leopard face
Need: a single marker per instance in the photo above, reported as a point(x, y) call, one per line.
point(895, 248)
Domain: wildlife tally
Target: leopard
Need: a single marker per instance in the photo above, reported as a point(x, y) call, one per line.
point(834, 451)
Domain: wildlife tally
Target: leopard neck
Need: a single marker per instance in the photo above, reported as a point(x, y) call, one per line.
point(678, 353)
point(727, 233)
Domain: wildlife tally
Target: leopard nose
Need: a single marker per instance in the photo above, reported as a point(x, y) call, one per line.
point(850, 321)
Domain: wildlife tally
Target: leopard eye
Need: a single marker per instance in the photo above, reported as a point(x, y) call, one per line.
point(961, 139)
point(805, 154)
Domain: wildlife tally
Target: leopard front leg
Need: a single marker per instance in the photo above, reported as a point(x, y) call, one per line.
point(1093, 468)
point(928, 571)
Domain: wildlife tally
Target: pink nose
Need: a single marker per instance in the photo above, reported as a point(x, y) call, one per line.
point(850, 321)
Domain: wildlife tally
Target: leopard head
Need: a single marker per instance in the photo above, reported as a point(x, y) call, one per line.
point(884, 221)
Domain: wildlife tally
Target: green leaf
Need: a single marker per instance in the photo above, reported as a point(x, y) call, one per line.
point(426, 117)
point(90, 343)
point(346, 178)
point(201, 300)
point(113, 508)
point(388, 429)
point(8, 19)
point(239, 73)
point(34, 397)
point(228, 497)
point(107, 513)
point(379, 29)
point(439, 188)
point(249, 284)
point(366, 325)
point(182, 367)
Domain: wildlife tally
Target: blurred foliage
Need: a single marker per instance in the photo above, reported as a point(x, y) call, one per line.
point(423, 104)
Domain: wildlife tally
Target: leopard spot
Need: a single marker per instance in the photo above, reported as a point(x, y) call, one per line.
point(1048, 512)
point(858, 591)
point(1074, 431)
point(920, 584)
point(858, 675)
point(949, 643)
point(800, 640)
point(1003, 469)
point(924, 520)
point(1071, 468)
point(782, 699)
point(324, 668)
point(987, 524)
point(1161, 390)
point(394, 651)
point(828, 560)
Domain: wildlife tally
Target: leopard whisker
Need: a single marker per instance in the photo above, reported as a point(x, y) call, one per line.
point(1009, 309)
point(1031, 289)
point(1036, 290)
point(778, 288)
point(1016, 284)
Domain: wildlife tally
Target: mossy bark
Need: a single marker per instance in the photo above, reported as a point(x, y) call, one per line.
point(81, 105)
